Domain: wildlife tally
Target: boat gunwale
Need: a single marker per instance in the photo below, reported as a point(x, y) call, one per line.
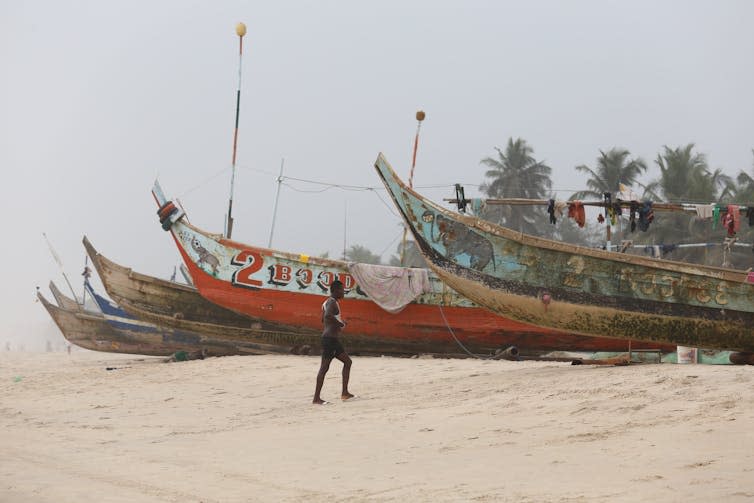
point(96, 256)
point(727, 274)
point(579, 310)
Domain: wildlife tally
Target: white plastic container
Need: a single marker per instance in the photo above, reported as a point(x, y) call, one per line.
point(686, 354)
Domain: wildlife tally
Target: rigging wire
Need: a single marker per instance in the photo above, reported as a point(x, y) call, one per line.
point(216, 174)
point(248, 168)
point(304, 191)
point(367, 187)
point(325, 186)
point(204, 182)
point(391, 243)
point(338, 185)
point(390, 207)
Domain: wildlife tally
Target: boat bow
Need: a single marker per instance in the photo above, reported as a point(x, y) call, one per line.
point(577, 289)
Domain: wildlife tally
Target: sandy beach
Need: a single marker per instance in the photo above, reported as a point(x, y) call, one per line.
point(244, 429)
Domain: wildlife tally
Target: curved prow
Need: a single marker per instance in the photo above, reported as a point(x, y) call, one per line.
point(168, 211)
point(62, 300)
point(592, 292)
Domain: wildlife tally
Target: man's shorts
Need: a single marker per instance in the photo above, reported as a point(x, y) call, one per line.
point(331, 347)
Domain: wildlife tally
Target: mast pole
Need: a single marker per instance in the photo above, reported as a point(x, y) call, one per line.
point(87, 272)
point(420, 115)
point(419, 118)
point(345, 228)
point(60, 264)
point(277, 196)
point(240, 31)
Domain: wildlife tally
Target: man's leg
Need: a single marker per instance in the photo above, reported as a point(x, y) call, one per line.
point(343, 356)
point(323, 368)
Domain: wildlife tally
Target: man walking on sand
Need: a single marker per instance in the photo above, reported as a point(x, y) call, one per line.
point(331, 346)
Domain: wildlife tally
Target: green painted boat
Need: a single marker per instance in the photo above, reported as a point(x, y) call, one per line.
point(576, 289)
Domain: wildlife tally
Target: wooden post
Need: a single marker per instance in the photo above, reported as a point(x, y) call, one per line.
point(240, 31)
point(420, 115)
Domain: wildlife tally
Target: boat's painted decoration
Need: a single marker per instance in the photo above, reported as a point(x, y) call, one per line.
point(287, 289)
point(583, 290)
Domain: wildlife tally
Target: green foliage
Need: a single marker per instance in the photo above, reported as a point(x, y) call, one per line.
point(685, 177)
point(516, 173)
point(613, 168)
point(744, 191)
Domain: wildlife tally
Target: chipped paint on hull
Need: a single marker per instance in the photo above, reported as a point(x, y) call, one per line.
point(92, 331)
point(113, 331)
point(588, 291)
point(286, 290)
point(166, 299)
point(180, 309)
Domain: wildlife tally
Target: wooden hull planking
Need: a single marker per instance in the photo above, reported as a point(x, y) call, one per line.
point(133, 290)
point(577, 289)
point(63, 301)
point(288, 290)
point(181, 307)
point(112, 330)
point(92, 331)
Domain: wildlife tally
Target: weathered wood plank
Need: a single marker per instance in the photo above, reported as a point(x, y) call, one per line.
point(577, 289)
point(287, 289)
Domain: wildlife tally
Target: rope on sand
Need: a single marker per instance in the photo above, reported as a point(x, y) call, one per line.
point(456, 338)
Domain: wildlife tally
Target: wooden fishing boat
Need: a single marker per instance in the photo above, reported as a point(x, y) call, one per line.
point(288, 289)
point(160, 300)
point(63, 301)
point(187, 339)
point(581, 290)
point(126, 331)
point(92, 331)
point(180, 307)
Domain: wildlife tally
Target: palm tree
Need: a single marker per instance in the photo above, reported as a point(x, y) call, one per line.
point(744, 191)
point(613, 168)
point(685, 177)
point(515, 173)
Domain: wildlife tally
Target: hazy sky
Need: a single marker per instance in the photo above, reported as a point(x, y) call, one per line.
point(98, 98)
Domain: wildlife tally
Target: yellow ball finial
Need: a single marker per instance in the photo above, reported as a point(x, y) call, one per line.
point(241, 29)
point(420, 115)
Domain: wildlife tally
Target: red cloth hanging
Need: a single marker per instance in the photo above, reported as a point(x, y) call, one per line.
point(732, 220)
point(576, 211)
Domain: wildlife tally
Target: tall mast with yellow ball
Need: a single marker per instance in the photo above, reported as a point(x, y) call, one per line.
point(420, 115)
point(240, 31)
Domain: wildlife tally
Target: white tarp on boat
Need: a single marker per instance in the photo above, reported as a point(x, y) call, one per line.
point(391, 288)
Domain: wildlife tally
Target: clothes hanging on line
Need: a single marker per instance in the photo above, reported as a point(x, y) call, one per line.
point(732, 220)
point(576, 211)
point(704, 211)
point(646, 215)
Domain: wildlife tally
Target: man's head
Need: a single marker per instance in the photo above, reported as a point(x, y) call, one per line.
point(336, 289)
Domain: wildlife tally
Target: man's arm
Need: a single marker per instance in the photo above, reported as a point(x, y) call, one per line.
point(332, 312)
